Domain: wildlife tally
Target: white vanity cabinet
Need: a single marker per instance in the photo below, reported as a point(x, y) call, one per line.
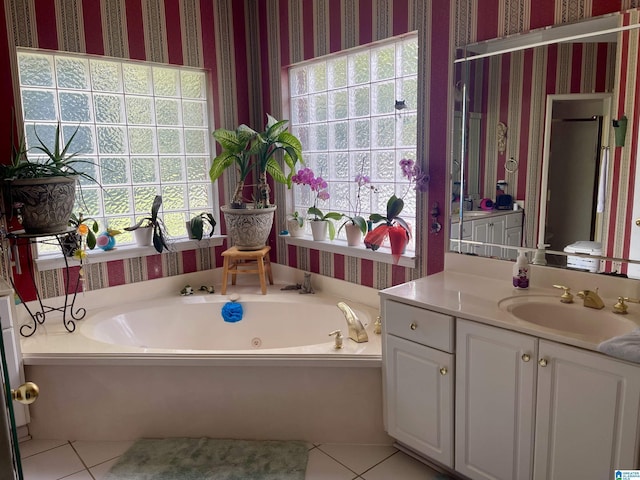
point(581, 423)
point(586, 414)
point(499, 228)
point(488, 230)
point(495, 392)
point(418, 378)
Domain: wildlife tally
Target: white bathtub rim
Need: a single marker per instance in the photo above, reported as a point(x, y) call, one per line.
point(53, 345)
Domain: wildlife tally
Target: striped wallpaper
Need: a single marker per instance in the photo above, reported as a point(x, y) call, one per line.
point(245, 44)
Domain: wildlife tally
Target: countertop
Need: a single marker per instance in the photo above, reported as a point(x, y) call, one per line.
point(477, 298)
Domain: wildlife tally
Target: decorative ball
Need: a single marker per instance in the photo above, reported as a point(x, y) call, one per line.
point(105, 241)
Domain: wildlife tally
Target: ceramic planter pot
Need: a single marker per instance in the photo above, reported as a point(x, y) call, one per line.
point(294, 228)
point(143, 236)
point(354, 234)
point(46, 202)
point(248, 228)
point(319, 229)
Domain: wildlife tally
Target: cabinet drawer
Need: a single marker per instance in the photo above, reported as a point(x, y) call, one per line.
point(513, 220)
point(419, 325)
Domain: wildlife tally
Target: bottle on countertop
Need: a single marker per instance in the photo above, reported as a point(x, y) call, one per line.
point(521, 271)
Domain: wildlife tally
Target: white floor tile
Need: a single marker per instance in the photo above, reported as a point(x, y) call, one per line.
point(93, 453)
point(323, 467)
point(358, 458)
point(401, 466)
point(31, 447)
point(52, 464)
point(100, 471)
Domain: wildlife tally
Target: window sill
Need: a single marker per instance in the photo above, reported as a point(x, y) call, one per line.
point(383, 254)
point(54, 261)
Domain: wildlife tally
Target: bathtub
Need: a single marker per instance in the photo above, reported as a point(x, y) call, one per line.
point(171, 366)
point(283, 327)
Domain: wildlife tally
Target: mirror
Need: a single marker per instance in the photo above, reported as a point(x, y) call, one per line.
point(535, 111)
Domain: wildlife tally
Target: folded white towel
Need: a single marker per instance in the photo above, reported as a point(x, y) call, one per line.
point(626, 347)
point(602, 180)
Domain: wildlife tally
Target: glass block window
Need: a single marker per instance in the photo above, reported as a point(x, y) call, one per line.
point(144, 127)
point(356, 114)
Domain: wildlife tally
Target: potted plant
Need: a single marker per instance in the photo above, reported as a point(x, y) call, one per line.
point(249, 151)
point(321, 223)
point(295, 224)
point(356, 226)
point(395, 227)
point(42, 190)
point(195, 226)
point(151, 229)
point(84, 226)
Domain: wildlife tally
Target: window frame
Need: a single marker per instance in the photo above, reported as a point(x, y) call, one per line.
point(52, 256)
point(338, 245)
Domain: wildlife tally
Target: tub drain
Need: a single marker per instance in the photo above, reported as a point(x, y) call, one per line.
point(256, 342)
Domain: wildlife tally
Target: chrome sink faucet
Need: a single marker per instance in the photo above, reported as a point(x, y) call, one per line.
point(357, 332)
point(591, 299)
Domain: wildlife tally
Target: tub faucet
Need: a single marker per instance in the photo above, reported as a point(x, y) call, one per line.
point(591, 299)
point(357, 332)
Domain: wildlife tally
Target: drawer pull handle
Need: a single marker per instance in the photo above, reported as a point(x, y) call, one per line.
point(444, 371)
point(542, 362)
point(413, 326)
point(526, 357)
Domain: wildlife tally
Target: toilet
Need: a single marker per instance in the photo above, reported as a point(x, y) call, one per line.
point(581, 263)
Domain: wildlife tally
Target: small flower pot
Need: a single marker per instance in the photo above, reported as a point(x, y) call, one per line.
point(294, 228)
point(354, 234)
point(143, 236)
point(319, 229)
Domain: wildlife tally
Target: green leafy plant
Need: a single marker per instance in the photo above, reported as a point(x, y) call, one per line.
point(56, 161)
point(236, 146)
point(154, 221)
point(196, 225)
point(85, 226)
point(248, 149)
point(295, 216)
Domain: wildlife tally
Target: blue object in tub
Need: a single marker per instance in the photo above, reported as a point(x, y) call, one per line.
point(232, 312)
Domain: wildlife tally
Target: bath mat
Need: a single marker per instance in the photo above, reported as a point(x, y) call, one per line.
point(211, 459)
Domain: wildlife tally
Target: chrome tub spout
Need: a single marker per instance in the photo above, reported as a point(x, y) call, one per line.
point(357, 332)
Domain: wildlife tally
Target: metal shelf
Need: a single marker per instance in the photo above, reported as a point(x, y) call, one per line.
point(70, 314)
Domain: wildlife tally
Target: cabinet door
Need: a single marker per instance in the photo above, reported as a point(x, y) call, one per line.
point(513, 237)
point(419, 398)
point(495, 393)
point(587, 415)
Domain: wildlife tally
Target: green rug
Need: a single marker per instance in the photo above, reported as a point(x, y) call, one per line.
point(211, 459)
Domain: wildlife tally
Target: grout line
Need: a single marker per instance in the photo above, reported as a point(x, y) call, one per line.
point(381, 461)
point(42, 451)
point(81, 460)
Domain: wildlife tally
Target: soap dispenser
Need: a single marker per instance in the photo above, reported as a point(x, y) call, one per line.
point(521, 271)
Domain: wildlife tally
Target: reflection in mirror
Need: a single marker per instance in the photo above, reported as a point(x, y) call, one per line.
point(535, 117)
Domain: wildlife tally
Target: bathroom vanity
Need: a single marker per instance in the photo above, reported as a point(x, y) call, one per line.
point(495, 227)
point(473, 387)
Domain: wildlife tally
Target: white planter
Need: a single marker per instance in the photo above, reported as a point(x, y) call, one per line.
point(354, 234)
point(143, 236)
point(294, 228)
point(319, 229)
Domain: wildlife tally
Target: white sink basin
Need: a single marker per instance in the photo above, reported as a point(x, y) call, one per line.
point(574, 318)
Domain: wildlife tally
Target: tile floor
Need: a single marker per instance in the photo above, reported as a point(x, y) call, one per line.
point(59, 459)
